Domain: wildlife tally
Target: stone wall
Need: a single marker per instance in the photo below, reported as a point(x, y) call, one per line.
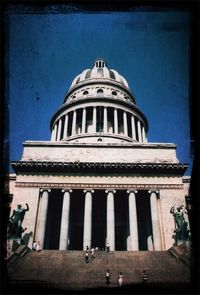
point(135, 152)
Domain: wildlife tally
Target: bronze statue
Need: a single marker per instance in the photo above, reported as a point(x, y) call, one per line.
point(181, 232)
point(15, 228)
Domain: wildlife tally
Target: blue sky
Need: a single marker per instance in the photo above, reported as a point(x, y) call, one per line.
point(149, 48)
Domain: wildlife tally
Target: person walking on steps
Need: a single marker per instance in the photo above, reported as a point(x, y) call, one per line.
point(120, 279)
point(34, 246)
point(107, 247)
point(107, 275)
point(38, 246)
point(87, 255)
point(92, 253)
point(144, 277)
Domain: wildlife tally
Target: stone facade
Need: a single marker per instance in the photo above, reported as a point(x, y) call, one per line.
point(98, 180)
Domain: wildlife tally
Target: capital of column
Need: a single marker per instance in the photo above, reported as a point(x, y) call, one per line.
point(67, 190)
point(45, 190)
point(153, 191)
point(111, 191)
point(91, 191)
point(134, 191)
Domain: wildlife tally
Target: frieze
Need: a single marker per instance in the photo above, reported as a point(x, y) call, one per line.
point(97, 186)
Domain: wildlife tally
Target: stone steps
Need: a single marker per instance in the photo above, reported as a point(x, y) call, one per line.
point(69, 269)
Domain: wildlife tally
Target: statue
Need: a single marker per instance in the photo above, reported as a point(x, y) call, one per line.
point(181, 232)
point(15, 228)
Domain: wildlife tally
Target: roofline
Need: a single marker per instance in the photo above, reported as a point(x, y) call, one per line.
point(98, 167)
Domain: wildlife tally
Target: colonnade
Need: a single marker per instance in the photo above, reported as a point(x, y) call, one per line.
point(101, 119)
point(110, 219)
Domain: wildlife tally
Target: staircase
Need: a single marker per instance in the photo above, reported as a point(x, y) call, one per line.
point(69, 270)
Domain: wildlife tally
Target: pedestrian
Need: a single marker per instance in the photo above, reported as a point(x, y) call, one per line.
point(107, 247)
point(38, 246)
point(144, 276)
point(92, 253)
point(120, 279)
point(107, 275)
point(87, 256)
point(34, 245)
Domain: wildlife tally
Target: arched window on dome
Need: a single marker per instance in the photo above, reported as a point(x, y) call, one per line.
point(114, 93)
point(85, 92)
point(100, 91)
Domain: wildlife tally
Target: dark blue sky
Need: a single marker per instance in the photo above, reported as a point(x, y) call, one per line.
point(150, 49)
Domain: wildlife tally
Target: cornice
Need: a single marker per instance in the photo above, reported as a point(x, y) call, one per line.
point(104, 167)
point(127, 145)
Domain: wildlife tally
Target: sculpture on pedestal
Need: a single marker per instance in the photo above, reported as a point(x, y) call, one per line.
point(181, 232)
point(15, 228)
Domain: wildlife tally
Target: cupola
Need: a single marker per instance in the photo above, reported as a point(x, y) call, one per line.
point(99, 107)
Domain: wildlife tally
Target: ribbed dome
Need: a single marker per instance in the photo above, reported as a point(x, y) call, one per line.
point(99, 107)
point(99, 71)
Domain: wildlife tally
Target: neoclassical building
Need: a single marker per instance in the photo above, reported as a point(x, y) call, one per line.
point(98, 179)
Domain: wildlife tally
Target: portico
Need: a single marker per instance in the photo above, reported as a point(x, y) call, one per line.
point(113, 213)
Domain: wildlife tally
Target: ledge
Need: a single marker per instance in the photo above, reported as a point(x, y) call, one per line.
point(47, 166)
point(64, 143)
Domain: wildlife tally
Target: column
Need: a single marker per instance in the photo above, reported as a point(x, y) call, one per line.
point(160, 216)
point(64, 229)
point(125, 123)
point(87, 230)
point(65, 126)
point(133, 127)
point(84, 120)
point(59, 129)
point(53, 134)
point(144, 135)
point(74, 123)
point(94, 120)
point(155, 221)
point(110, 220)
point(139, 131)
point(133, 221)
point(105, 120)
point(115, 121)
point(42, 216)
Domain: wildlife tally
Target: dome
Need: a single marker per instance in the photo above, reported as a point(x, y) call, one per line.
point(99, 71)
point(99, 108)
